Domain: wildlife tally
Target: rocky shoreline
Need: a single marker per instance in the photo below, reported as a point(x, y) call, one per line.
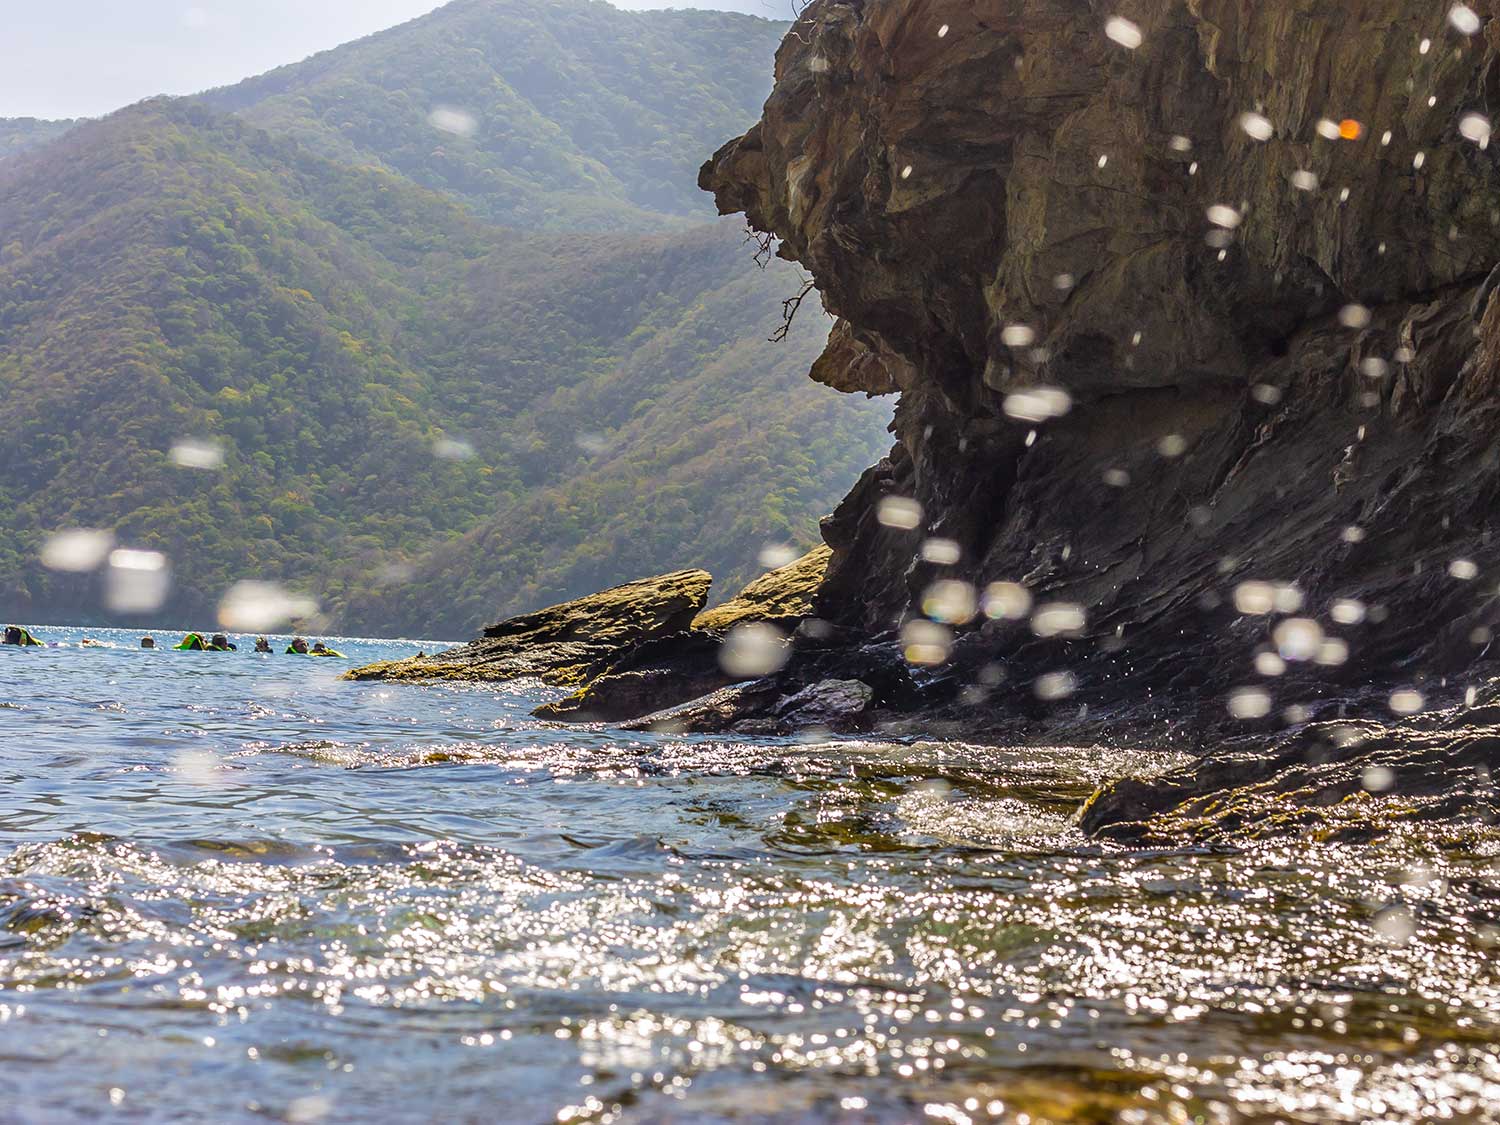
point(1199, 362)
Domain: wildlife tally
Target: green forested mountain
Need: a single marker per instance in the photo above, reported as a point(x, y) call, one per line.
point(561, 115)
point(427, 419)
point(17, 134)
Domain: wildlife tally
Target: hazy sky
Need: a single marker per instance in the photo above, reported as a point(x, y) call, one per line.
point(75, 58)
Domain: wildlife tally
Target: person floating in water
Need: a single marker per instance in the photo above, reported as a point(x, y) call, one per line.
point(20, 637)
point(195, 642)
point(262, 645)
point(299, 647)
point(148, 642)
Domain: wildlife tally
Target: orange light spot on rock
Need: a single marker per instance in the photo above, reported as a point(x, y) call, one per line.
point(1350, 129)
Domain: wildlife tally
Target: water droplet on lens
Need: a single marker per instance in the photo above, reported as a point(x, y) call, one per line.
point(1124, 32)
point(753, 650)
point(899, 512)
point(77, 551)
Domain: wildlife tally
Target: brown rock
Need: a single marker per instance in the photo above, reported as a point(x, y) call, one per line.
point(780, 597)
point(564, 644)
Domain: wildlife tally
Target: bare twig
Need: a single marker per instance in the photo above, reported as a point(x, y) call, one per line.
point(789, 309)
point(765, 245)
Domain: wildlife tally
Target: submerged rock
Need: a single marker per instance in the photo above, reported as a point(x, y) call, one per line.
point(1333, 782)
point(564, 644)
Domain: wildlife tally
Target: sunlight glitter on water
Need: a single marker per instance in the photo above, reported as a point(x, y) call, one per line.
point(397, 895)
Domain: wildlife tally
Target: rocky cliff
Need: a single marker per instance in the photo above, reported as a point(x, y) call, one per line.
point(1189, 305)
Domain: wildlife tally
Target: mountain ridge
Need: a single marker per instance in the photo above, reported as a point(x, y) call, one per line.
point(174, 271)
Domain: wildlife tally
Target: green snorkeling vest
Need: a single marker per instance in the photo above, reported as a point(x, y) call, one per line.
point(290, 651)
point(193, 642)
point(27, 640)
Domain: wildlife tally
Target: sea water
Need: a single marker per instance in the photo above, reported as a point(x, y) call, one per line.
point(236, 888)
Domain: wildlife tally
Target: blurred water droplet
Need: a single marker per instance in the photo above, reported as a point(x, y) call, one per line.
point(1009, 601)
point(77, 550)
point(454, 122)
point(1172, 446)
point(1465, 570)
point(452, 449)
point(262, 607)
point(1304, 180)
point(1255, 598)
point(1018, 336)
point(1038, 404)
point(1463, 19)
point(1298, 638)
point(1475, 127)
point(1395, 925)
point(773, 556)
point(1058, 619)
point(198, 767)
point(906, 172)
point(1377, 779)
point(1333, 652)
point(1269, 664)
point(943, 552)
point(1063, 282)
point(1347, 611)
point(925, 642)
point(899, 512)
point(1328, 130)
point(1373, 367)
point(1056, 685)
point(754, 650)
point(1352, 534)
point(1419, 160)
point(1116, 478)
point(193, 453)
point(951, 602)
point(1354, 316)
point(1257, 126)
point(1179, 143)
point(1265, 394)
point(136, 581)
point(1249, 703)
point(1407, 702)
point(943, 32)
point(1222, 215)
point(1124, 32)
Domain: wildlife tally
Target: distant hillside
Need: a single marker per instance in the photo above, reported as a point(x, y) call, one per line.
point(551, 115)
point(18, 134)
point(173, 273)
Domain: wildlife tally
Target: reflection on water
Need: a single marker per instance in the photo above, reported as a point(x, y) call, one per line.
point(232, 887)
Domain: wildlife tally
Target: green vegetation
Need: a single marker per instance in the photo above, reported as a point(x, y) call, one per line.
point(18, 134)
point(606, 403)
point(568, 115)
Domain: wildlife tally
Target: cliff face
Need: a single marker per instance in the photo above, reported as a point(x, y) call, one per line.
point(1181, 296)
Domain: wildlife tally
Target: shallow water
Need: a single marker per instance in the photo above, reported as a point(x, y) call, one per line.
point(235, 888)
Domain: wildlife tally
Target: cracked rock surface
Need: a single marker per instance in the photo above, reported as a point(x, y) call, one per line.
point(1196, 337)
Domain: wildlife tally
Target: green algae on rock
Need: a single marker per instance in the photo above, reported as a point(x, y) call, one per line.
point(783, 596)
point(672, 670)
point(563, 644)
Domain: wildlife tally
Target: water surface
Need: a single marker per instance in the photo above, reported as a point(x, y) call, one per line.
point(235, 888)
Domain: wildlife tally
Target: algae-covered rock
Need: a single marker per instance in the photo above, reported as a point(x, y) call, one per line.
point(1346, 782)
point(779, 597)
point(671, 670)
point(656, 674)
point(563, 644)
